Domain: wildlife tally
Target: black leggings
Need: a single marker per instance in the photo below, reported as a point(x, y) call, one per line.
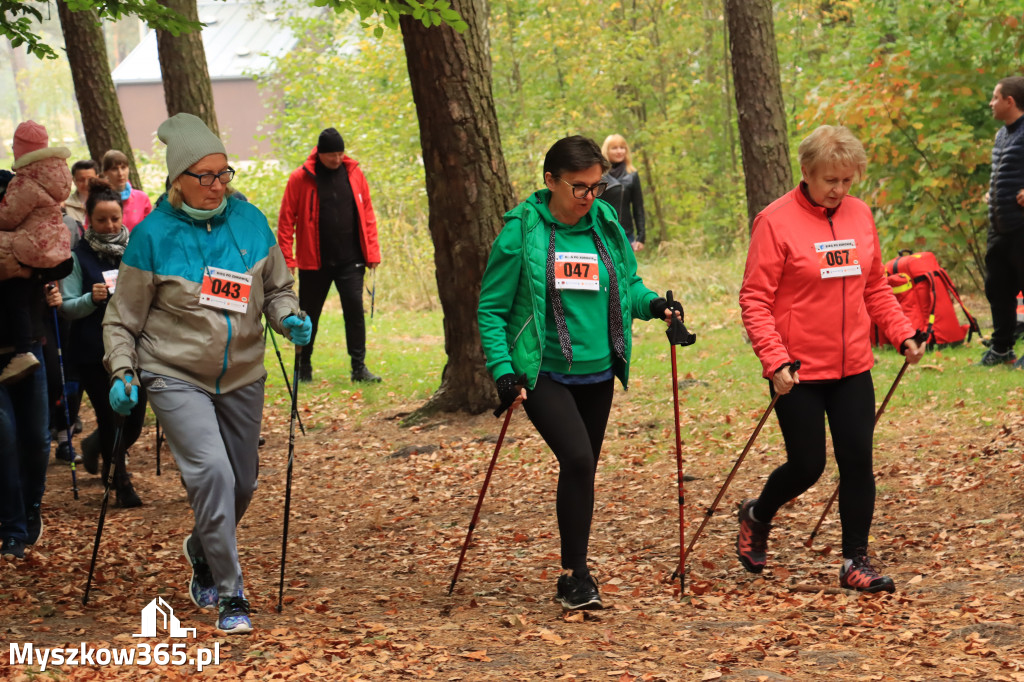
point(96, 384)
point(572, 420)
point(850, 406)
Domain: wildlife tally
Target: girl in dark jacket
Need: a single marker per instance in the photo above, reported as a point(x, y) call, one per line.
point(86, 292)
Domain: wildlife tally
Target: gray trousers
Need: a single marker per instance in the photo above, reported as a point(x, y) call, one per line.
point(215, 442)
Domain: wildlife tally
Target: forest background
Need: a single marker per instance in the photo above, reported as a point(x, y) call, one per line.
point(911, 78)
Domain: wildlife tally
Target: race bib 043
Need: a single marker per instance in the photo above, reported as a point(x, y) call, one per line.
point(577, 271)
point(838, 258)
point(226, 290)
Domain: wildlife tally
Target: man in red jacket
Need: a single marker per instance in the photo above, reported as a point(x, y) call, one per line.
point(326, 213)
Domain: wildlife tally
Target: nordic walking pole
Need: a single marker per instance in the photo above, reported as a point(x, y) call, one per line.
point(159, 442)
point(483, 489)
point(64, 389)
point(373, 290)
point(835, 493)
point(294, 390)
point(108, 480)
point(750, 442)
point(284, 372)
point(678, 336)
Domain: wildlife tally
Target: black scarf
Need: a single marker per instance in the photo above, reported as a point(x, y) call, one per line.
point(615, 330)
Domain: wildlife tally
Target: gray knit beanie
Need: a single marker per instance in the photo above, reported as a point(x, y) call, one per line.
point(188, 139)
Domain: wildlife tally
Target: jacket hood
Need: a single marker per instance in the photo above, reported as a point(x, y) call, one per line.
point(309, 165)
point(50, 172)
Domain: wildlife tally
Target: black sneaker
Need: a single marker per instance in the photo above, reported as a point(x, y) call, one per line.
point(65, 453)
point(127, 498)
point(578, 593)
point(364, 374)
point(993, 358)
point(752, 540)
point(233, 616)
point(34, 525)
point(12, 549)
point(77, 428)
point(202, 589)
point(861, 576)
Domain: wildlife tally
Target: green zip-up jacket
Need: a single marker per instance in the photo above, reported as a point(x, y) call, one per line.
point(513, 296)
point(155, 321)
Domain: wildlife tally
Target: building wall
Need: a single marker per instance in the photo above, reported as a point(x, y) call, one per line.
point(240, 111)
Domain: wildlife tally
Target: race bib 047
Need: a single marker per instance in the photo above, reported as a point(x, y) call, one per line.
point(577, 271)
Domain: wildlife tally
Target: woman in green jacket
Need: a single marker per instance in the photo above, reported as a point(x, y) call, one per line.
point(556, 304)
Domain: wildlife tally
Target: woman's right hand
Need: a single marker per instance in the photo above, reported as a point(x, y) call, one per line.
point(99, 293)
point(784, 380)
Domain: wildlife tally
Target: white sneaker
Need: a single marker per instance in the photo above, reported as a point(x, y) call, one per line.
point(20, 366)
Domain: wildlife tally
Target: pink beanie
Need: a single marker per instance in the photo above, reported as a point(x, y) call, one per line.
point(29, 137)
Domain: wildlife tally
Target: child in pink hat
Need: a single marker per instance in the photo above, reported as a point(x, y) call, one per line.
point(32, 233)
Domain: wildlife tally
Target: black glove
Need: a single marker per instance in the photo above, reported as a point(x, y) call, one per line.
point(509, 386)
point(660, 305)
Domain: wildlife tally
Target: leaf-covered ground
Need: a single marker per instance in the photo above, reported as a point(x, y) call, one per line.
point(380, 511)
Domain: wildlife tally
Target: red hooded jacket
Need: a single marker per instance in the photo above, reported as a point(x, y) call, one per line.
point(802, 298)
point(299, 217)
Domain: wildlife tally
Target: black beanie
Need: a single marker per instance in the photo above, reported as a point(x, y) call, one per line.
point(330, 141)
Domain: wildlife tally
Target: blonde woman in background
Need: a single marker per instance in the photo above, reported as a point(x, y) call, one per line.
point(624, 192)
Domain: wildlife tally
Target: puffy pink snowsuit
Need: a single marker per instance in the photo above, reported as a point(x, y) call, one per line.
point(32, 232)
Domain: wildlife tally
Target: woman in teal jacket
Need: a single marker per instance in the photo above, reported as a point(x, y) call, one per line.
point(556, 304)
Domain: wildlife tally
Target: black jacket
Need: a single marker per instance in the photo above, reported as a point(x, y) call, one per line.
point(1005, 215)
point(39, 310)
point(630, 204)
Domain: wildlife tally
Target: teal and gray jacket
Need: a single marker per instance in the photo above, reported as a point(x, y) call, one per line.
point(155, 322)
point(513, 296)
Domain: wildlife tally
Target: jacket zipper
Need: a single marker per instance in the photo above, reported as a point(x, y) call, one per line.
point(843, 327)
point(521, 330)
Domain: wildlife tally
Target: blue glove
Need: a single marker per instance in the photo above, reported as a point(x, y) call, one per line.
point(300, 329)
point(120, 399)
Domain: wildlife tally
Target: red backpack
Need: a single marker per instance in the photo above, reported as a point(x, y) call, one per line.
point(926, 295)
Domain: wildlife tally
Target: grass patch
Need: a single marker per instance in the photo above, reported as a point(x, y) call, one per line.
point(722, 393)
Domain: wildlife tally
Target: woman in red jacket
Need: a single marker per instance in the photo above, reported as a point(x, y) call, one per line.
point(813, 284)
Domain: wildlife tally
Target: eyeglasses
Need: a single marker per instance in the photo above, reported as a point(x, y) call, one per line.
point(206, 179)
point(581, 191)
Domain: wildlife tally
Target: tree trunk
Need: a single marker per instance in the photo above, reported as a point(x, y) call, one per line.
point(468, 189)
point(187, 86)
point(19, 71)
point(101, 114)
point(762, 114)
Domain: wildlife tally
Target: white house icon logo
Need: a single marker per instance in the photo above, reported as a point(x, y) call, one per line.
point(159, 609)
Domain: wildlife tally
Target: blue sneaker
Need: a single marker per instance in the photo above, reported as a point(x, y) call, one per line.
point(233, 616)
point(202, 589)
point(12, 549)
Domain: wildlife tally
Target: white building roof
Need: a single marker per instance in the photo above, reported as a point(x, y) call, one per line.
point(241, 38)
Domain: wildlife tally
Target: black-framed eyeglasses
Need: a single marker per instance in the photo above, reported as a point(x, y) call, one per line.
point(206, 179)
point(581, 191)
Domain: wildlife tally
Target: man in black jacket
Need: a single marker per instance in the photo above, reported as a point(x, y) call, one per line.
point(1004, 257)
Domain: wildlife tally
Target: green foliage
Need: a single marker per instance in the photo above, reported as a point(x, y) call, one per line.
point(912, 80)
point(342, 76)
point(382, 14)
point(19, 19)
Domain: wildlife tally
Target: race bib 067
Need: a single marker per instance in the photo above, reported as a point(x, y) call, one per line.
point(838, 258)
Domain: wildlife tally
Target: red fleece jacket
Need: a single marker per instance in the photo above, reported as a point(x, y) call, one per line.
point(795, 301)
